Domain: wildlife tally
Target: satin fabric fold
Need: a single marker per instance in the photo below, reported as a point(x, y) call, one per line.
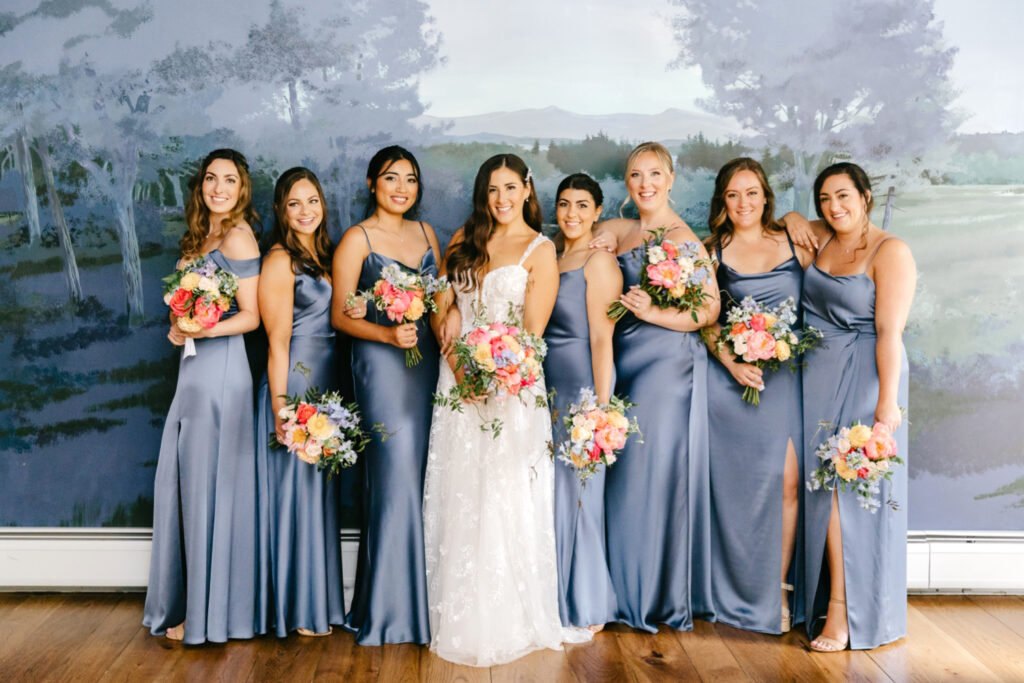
point(585, 592)
point(656, 500)
point(299, 505)
point(390, 600)
point(840, 385)
point(203, 568)
point(748, 456)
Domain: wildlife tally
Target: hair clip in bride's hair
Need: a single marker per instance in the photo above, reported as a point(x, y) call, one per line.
point(529, 175)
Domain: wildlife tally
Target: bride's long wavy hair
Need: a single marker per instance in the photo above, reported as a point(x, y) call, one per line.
point(467, 260)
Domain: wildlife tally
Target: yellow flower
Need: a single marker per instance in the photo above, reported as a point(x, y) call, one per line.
point(319, 427)
point(482, 353)
point(843, 471)
point(578, 460)
point(859, 435)
point(188, 325)
point(415, 310)
point(299, 435)
point(769, 321)
point(782, 351)
point(679, 290)
point(189, 281)
point(617, 419)
point(513, 345)
point(581, 434)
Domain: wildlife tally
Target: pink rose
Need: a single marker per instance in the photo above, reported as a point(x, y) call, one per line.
point(757, 322)
point(664, 274)
point(206, 313)
point(478, 336)
point(760, 346)
point(610, 439)
point(880, 446)
point(398, 306)
point(670, 249)
point(181, 302)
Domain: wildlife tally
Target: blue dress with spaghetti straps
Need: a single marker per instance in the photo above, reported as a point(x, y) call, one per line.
point(656, 494)
point(585, 592)
point(840, 385)
point(390, 600)
point(748, 456)
point(204, 569)
point(298, 504)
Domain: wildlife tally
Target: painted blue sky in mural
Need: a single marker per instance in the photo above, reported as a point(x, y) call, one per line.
point(609, 56)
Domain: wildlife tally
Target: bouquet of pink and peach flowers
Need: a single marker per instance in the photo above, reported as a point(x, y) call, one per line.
point(499, 361)
point(199, 293)
point(673, 275)
point(322, 430)
point(858, 457)
point(404, 296)
point(595, 432)
point(764, 336)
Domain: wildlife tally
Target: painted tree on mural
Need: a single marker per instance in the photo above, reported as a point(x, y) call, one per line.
point(869, 78)
point(22, 132)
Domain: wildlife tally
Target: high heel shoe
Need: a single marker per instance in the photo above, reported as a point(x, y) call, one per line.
point(176, 632)
point(827, 644)
point(787, 619)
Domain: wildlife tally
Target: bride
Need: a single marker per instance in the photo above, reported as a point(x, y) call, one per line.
point(488, 517)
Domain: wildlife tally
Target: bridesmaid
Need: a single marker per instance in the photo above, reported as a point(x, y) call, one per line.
point(298, 504)
point(656, 494)
point(390, 600)
point(858, 293)
point(579, 338)
point(754, 449)
point(203, 575)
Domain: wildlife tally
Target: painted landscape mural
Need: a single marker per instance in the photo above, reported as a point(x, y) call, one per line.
point(106, 107)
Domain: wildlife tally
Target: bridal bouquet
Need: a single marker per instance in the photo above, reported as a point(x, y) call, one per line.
point(199, 293)
point(673, 274)
point(595, 433)
point(859, 457)
point(405, 296)
point(321, 430)
point(764, 336)
point(499, 361)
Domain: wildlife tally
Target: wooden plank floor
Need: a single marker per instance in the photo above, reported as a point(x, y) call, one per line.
point(98, 637)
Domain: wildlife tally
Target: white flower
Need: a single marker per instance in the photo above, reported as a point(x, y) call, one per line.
point(686, 266)
point(656, 255)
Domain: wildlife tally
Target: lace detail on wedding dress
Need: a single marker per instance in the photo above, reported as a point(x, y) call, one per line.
point(488, 513)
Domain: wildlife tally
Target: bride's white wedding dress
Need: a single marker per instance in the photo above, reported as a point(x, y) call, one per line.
point(488, 515)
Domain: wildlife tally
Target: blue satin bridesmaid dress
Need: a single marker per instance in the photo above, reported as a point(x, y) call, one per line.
point(299, 505)
point(204, 570)
point(840, 385)
point(748, 457)
point(585, 592)
point(656, 494)
point(390, 600)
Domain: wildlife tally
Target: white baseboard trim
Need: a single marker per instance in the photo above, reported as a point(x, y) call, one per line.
point(50, 559)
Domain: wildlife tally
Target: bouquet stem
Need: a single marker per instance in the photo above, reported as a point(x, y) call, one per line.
point(616, 310)
point(413, 357)
point(752, 395)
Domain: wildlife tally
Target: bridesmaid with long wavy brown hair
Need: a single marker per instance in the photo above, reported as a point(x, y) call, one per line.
point(298, 504)
point(204, 576)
